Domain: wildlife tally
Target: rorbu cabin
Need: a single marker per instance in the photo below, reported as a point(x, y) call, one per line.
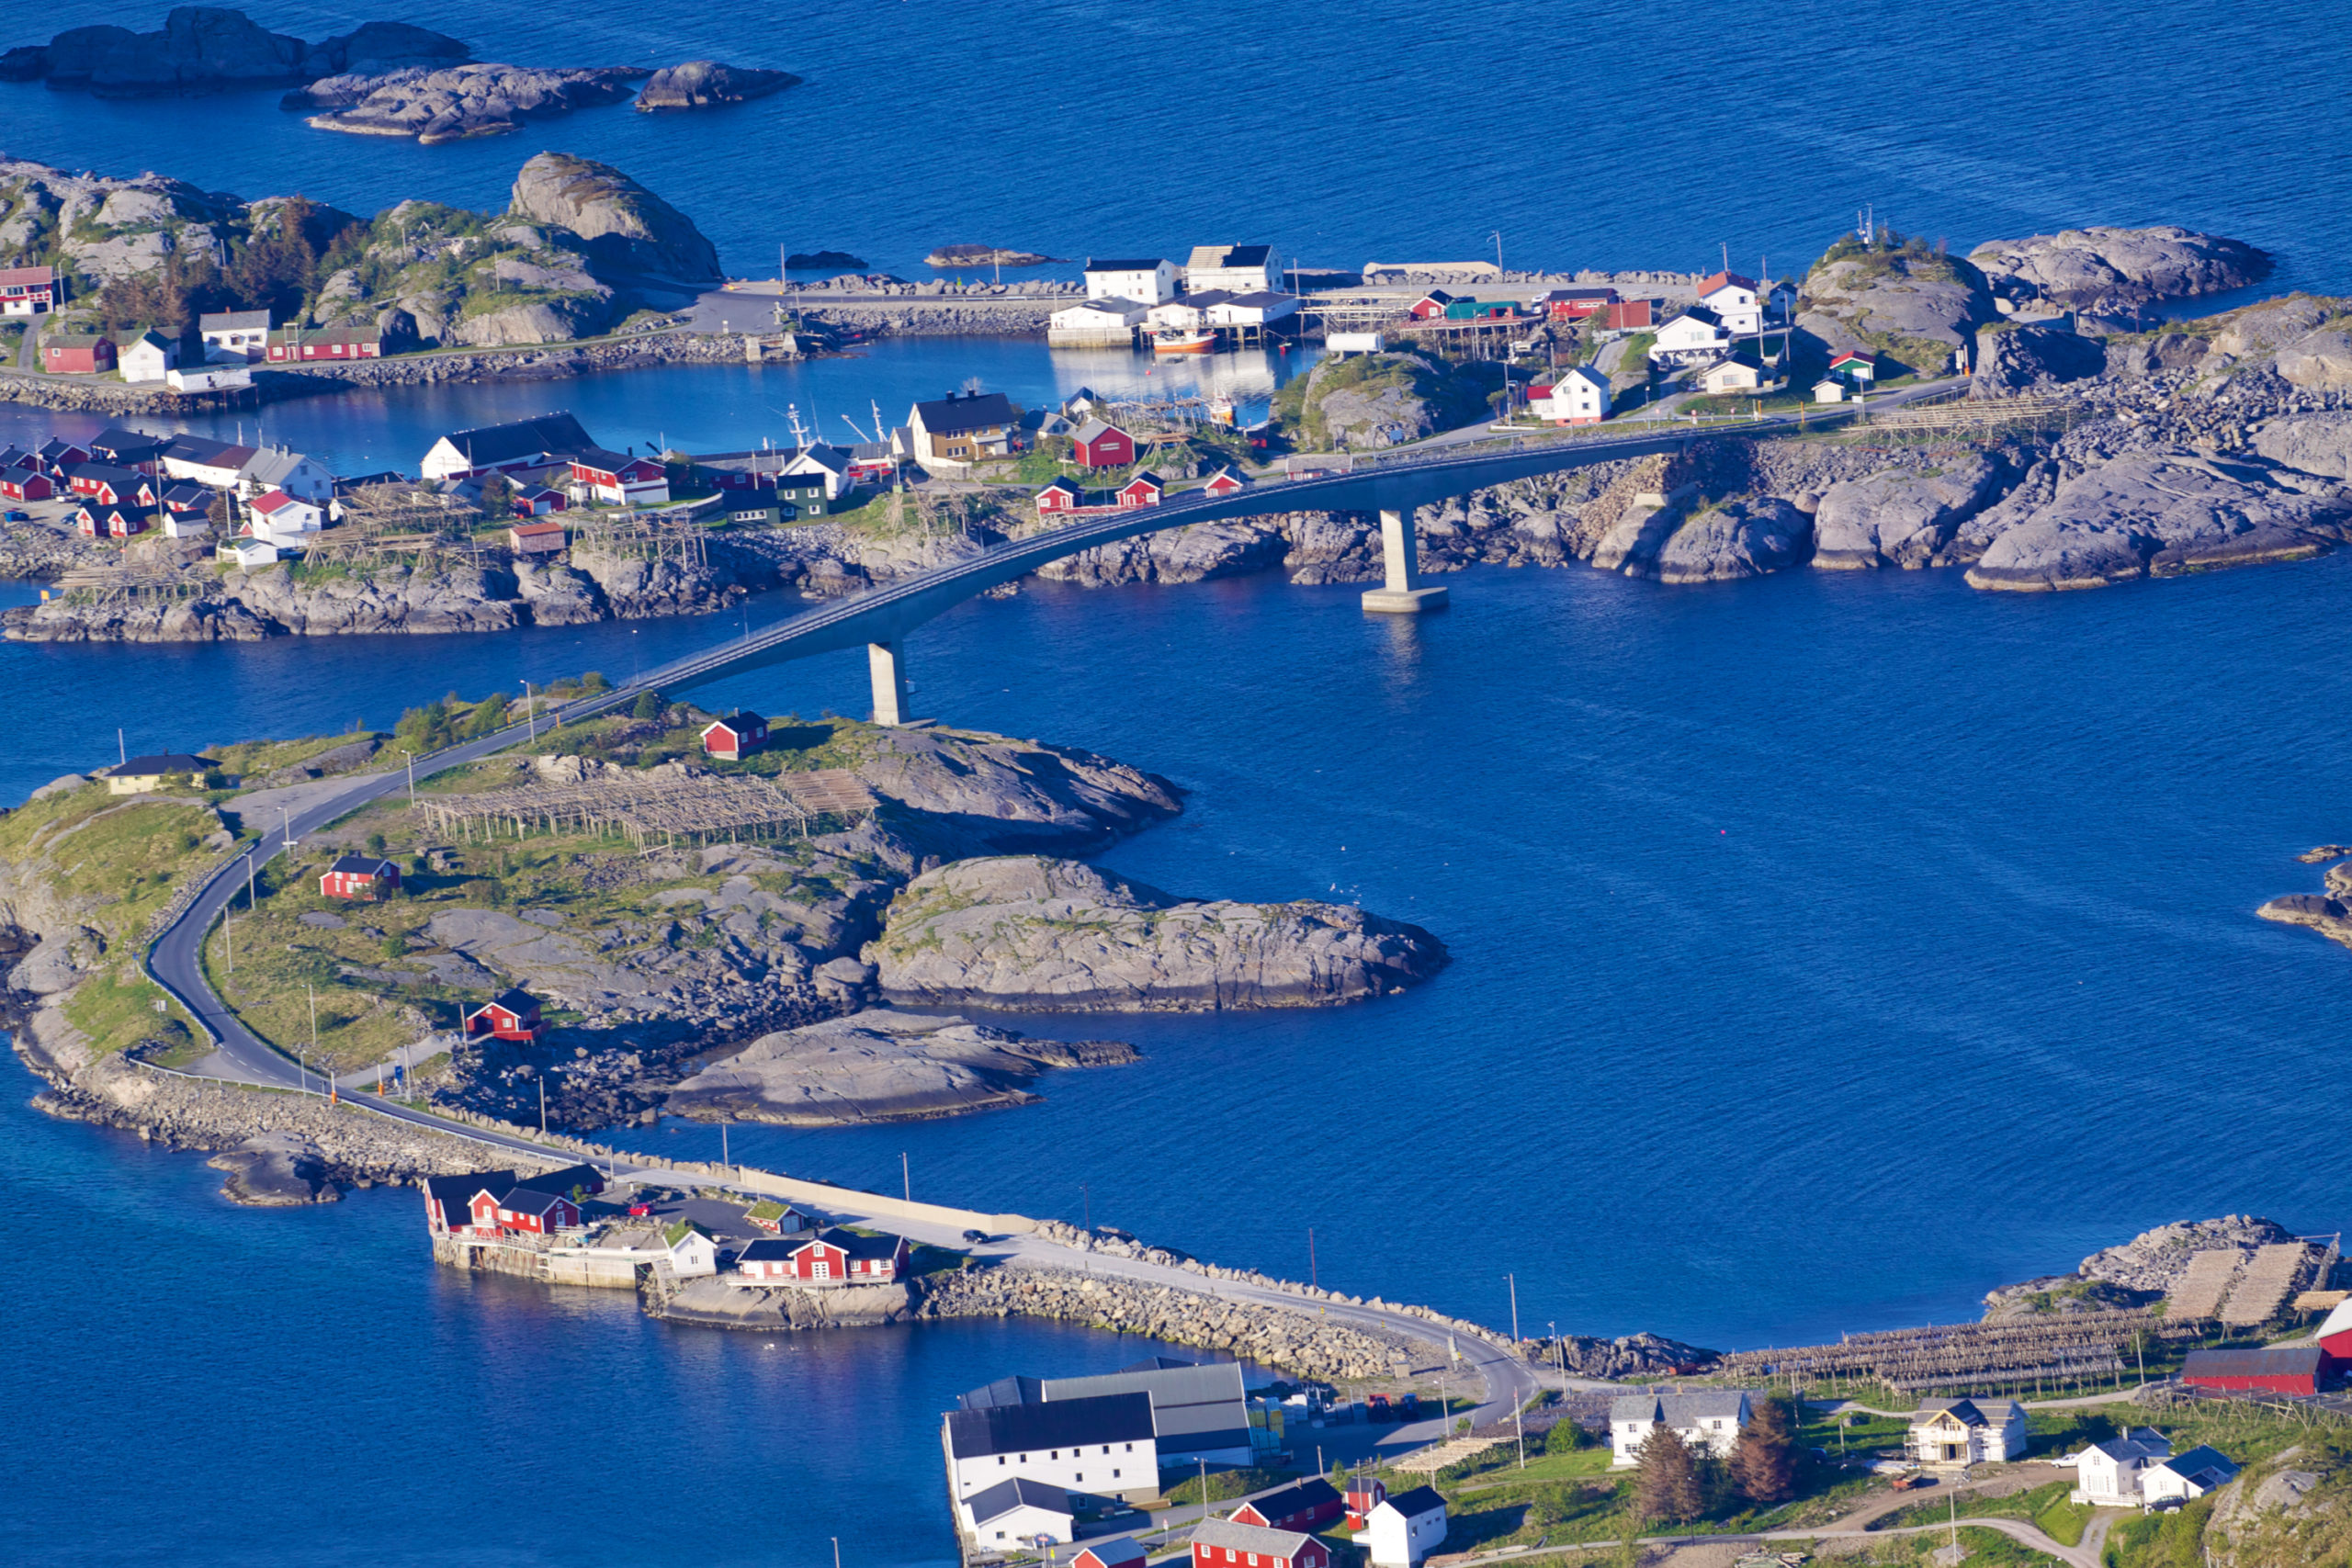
point(512, 1015)
point(360, 877)
point(735, 737)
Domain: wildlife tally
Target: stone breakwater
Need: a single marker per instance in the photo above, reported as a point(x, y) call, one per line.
point(936, 321)
point(546, 362)
point(1292, 1339)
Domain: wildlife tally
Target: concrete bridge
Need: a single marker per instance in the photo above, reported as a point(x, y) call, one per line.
point(1395, 487)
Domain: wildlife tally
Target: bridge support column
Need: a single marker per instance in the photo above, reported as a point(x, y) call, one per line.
point(884, 662)
point(1402, 593)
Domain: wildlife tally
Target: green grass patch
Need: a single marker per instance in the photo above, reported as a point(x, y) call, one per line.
point(115, 1007)
point(1224, 1486)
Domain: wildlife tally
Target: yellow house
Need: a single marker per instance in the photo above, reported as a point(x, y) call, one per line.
point(963, 428)
point(141, 776)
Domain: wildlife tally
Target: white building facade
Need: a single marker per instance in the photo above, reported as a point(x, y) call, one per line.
point(1967, 1431)
point(1401, 1531)
point(2109, 1474)
point(1713, 1418)
point(1147, 282)
point(1102, 1446)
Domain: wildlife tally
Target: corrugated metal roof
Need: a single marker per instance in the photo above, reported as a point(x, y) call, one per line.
point(2295, 1360)
point(1063, 1423)
point(1187, 1402)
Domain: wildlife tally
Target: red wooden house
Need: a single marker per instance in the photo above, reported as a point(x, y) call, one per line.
point(1222, 1544)
point(2294, 1370)
point(1120, 1551)
point(299, 343)
point(27, 290)
point(1143, 490)
point(1430, 306)
point(26, 484)
point(1364, 1495)
point(1102, 445)
point(618, 481)
point(735, 737)
point(448, 1200)
point(510, 1015)
point(769, 1258)
point(1223, 482)
point(1060, 495)
point(537, 538)
point(1575, 304)
point(1307, 1506)
point(524, 1209)
point(111, 485)
point(79, 356)
point(1633, 315)
point(360, 877)
point(843, 1258)
point(103, 521)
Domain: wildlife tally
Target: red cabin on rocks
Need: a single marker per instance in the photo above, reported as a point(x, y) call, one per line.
point(360, 877)
point(1102, 445)
point(1223, 482)
point(2294, 1370)
point(843, 1258)
point(737, 736)
point(1143, 490)
point(510, 1015)
point(1060, 495)
point(524, 1209)
point(448, 1200)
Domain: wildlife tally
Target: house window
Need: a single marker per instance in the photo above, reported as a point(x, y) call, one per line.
point(1114, 1475)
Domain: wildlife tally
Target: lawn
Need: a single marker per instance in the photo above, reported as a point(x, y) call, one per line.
point(1225, 1485)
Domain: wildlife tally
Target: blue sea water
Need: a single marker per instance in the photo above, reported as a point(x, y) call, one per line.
point(1827, 949)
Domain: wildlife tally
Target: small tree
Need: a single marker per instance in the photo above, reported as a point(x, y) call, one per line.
point(1564, 1437)
point(1666, 1477)
point(1764, 1465)
point(650, 705)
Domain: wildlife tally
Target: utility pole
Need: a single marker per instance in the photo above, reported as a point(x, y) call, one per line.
point(313, 990)
point(285, 828)
point(543, 1105)
point(724, 1158)
point(412, 773)
point(229, 940)
point(1311, 1277)
point(121, 750)
point(530, 711)
point(249, 880)
point(906, 1182)
point(1513, 1280)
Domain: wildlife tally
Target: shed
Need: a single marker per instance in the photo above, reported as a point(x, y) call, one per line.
point(360, 877)
point(735, 737)
point(1020, 1510)
point(536, 538)
point(77, 355)
point(1307, 1505)
point(1223, 482)
point(510, 1015)
point(1060, 495)
point(1143, 490)
point(1102, 445)
point(2294, 1370)
point(1401, 1531)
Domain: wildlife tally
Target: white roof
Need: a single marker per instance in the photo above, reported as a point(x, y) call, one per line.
point(2337, 1321)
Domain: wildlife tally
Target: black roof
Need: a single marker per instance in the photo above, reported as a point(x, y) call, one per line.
point(2292, 1361)
point(114, 441)
point(514, 1000)
point(164, 762)
point(559, 433)
point(855, 1245)
point(1157, 1364)
point(57, 447)
point(1419, 1500)
point(975, 411)
point(365, 865)
point(583, 1176)
point(1058, 1424)
point(195, 448)
point(1130, 266)
point(457, 1191)
point(532, 1200)
point(1246, 255)
point(768, 1249)
point(605, 457)
point(110, 473)
point(1007, 1495)
point(1315, 1493)
point(1004, 1391)
point(739, 721)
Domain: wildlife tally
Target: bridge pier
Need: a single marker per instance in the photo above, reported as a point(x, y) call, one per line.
point(887, 666)
point(1402, 593)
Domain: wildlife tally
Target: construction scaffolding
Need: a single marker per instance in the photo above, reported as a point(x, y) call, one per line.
point(657, 810)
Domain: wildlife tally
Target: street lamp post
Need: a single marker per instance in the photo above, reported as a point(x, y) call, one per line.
point(412, 773)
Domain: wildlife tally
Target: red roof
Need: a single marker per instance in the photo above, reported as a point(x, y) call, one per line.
point(538, 530)
point(274, 503)
point(27, 275)
point(1849, 354)
point(1716, 280)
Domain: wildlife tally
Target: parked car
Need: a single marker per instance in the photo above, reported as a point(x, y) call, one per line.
point(1409, 1407)
point(1376, 1408)
point(976, 1237)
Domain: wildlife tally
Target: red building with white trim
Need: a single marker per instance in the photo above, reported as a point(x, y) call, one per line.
point(737, 736)
point(1223, 482)
point(326, 343)
point(2295, 1369)
point(360, 877)
point(843, 1258)
point(510, 1015)
point(29, 290)
point(1223, 1543)
point(26, 484)
point(1102, 445)
point(524, 1211)
point(1309, 1505)
point(619, 480)
point(1143, 490)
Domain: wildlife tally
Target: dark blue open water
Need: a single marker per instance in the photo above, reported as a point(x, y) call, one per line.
point(1828, 948)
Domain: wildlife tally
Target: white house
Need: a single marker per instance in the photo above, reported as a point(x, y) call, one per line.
point(1401, 1531)
point(2186, 1476)
point(279, 468)
point(1828, 390)
point(212, 378)
point(1106, 322)
point(1235, 269)
point(245, 554)
point(285, 521)
point(1147, 282)
point(234, 337)
point(1017, 1512)
point(1734, 301)
point(1579, 397)
point(693, 1255)
point(149, 359)
point(1187, 314)
point(1693, 337)
point(1714, 1417)
point(2109, 1474)
point(1256, 309)
point(1102, 1444)
point(201, 461)
point(1732, 375)
point(829, 463)
point(185, 525)
point(1967, 1431)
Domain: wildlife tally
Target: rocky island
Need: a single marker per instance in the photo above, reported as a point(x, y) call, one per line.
point(706, 84)
point(452, 102)
point(206, 49)
point(949, 256)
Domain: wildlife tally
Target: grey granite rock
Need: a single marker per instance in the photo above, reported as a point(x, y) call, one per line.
point(2310, 443)
point(706, 83)
point(1023, 931)
point(2319, 361)
point(880, 1065)
point(2109, 268)
point(626, 227)
point(2011, 358)
point(454, 102)
point(2157, 512)
point(1900, 517)
point(276, 1170)
point(1743, 536)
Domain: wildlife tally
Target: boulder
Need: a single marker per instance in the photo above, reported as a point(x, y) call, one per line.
point(2107, 268)
point(878, 1065)
point(1745, 536)
point(2157, 512)
point(453, 103)
point(2271, 324)
point(704, 83)
point(275, 1170)
point(2309, 443)
point(2012, 359)
point(1914, 306)
point(537, 321)
point(813, 259)
point(1900, 517)
point(2318, 362)
point(1028, 932)
point(628, 227)
point(2132, 357)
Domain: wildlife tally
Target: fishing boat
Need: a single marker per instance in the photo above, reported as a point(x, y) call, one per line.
point(1174, 341)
